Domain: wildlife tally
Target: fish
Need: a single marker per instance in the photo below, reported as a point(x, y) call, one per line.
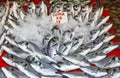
point(102, 21)
point(94, 34)
point(52, 49)
point(94, 71)
point(26, 68)
point(116, 73)
point(84, 50)
point(42, 68)
point(76, 75)
point(98, 13)
point(95, 56)
point(31, 8)
point(2, 39)
point(3, 21)
point(108, 47)
point(95, 45)
point(106, 37)
point(104, 29)
point(68, 7)
point(22, 14)
point(31, 49)
point(53, 77)
point(109, 62)
point(11, 40)
point(10, 59)
point(14, 9)
point(76, 8)
point(67, 48)
point(11, 72)
point(67, 36)
point(56, 31)
point(66, 66)
point(12, 23)
point(57, 7)
point(77, 60)
point(15, 51)
point(2, 74)
point(76, 43)
point(43, 9)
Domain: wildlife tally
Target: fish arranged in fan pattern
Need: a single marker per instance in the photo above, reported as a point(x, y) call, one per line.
point(39, 48)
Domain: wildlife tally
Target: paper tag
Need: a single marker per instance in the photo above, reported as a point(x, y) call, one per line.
point(60, 17)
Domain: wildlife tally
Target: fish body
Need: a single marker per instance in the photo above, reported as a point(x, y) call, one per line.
point(77, 60)
point(110, 62)
point(94, 71)
point(104, 29)
point(76, 75)
point(25, 67)
point(108, 47)
point(15, 51)
point(42, 68)
point(11, 72)
point(2, 74)
point(10, 59)
point(95, 56)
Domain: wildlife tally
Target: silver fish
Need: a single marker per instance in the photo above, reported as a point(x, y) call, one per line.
point(95, 56)
point(11, 72)
point(53, 77)
point(42, 68)
point(84, 50)
point(77, 8)
point(14, 9)
point(106, 37)
point(43, 9)
point(12, 23)
point(68, 36)
point(77, 42)
point(2, 74)
point(2, 22)
point(53, 46)
point(56, 31)
point(103, 29)
point(102, 21)
point(66, 66)
point(22, 13)
point(11, 41)
point(57, 7)
point(31, 8)
point(67, 48)
point(109, 62)
point(68, 7)
point(94, 71)
point(98, 13)
point(94, 34)
point(96, 44)
point(108, 47)
point(114, 73)
point(15, 51)
point(10, 59)
point(76, 75)
point(77, 60)
point(27, 70)
point(35, 52)
point(2, 39)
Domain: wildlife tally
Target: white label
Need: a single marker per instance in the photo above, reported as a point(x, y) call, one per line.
point(60, 17)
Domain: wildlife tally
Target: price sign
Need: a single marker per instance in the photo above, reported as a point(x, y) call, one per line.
point(60, 17)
